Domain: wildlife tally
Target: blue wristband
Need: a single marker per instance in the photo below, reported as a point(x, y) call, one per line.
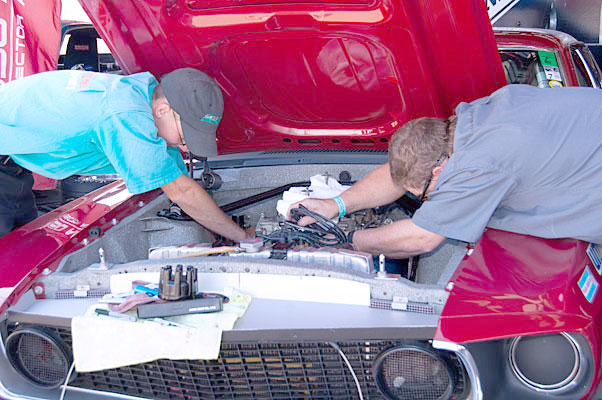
point(341, 204)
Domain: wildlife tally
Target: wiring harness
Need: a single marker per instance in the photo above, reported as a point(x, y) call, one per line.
point(319, 234)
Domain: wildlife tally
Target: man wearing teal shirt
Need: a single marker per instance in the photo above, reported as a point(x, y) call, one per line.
point(63, 123)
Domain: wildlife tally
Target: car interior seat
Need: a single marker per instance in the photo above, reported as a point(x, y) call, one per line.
point(82, 52)
point(510, 70)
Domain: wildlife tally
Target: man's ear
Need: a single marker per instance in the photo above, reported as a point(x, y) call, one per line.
point(437, 170)
point(162, 109)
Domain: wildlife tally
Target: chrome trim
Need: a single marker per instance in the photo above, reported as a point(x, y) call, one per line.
point(42, 334)
point(590, 75)
point(565, 38)
point(469, 363)
point(112, 395)
point(553, 20)
point(568, 383)
point(7, 395)
point(379, 361)
point(99, 178)
point(4, 392)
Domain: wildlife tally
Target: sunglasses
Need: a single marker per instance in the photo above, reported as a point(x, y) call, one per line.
point(444, 156)
point(182, 142)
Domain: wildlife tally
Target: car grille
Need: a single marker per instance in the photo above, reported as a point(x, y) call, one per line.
point(274, 370)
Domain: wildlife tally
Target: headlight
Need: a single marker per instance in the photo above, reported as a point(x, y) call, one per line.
point(547, 362)
point(413, 372)
point(39, 356)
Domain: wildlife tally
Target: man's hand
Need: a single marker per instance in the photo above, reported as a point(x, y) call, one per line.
point(376, 189)
point(250, 231)
point(325, 207)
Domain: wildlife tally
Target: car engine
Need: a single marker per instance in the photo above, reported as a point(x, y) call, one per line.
point(159, 234)
point(323, 242)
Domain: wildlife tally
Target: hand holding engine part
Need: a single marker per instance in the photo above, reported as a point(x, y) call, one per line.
point(325, 207)
point(317, 197)
point(323, 232)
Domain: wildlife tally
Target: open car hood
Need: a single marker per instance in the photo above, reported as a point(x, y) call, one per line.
point(338, 74)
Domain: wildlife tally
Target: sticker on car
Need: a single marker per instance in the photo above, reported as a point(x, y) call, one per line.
point(588, 284)
point(551, 69)
point(552, 72)
point(595, 255)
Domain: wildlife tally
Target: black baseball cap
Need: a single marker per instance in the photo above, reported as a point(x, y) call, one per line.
point(198, 101)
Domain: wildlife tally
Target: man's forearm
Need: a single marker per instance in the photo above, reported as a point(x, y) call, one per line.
point(199, 205)
point(401, 239)
point(208, 214)
point(376, 189)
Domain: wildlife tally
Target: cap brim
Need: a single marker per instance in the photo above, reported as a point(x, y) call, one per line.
point(200, 139)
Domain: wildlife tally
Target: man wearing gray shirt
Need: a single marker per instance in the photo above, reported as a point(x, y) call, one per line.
point(524, 160)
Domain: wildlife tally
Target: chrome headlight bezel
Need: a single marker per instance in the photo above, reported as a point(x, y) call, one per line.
point(577, 371)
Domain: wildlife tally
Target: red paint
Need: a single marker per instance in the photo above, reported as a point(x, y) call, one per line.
point(30, 36)
point(530, 279)
point(325, 75)
point(42, 243)
point(42, 183)
point(39, 290)
point(514, 285)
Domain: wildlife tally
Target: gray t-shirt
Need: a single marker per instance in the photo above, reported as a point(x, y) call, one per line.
point(525, 160)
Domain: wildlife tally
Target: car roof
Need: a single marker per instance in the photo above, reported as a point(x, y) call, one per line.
point(562, 38)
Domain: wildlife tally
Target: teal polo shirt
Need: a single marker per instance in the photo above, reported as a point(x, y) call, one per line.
point(62, 123)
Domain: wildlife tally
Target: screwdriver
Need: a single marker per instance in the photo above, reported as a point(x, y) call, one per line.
point(116, 314)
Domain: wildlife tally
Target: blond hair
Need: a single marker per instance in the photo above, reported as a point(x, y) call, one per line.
point(415, 148)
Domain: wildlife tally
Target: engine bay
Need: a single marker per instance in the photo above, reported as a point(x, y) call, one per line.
point(322, 242)
point(157, 235)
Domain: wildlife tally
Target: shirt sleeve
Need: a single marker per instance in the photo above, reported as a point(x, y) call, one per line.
point(175, 154)
point(463, 202)
point(130, 143)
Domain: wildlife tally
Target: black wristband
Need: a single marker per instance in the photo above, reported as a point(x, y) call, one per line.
point(350, 237)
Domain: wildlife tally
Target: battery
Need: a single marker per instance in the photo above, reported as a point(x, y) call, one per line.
point(182, 307)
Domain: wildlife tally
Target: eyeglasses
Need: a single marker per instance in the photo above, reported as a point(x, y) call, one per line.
point(442, 158)
point(182, 141)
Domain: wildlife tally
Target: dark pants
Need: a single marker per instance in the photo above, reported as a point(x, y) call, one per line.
point(17, 203)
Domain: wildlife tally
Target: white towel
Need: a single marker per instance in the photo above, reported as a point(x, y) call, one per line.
point(318, 189)
point(103, 342)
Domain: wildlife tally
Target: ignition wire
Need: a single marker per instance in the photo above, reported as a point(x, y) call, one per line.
point(319, 234)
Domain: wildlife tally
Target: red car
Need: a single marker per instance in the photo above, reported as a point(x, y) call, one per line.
point(309, 89)
point(522, 51)
point(546, 58)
